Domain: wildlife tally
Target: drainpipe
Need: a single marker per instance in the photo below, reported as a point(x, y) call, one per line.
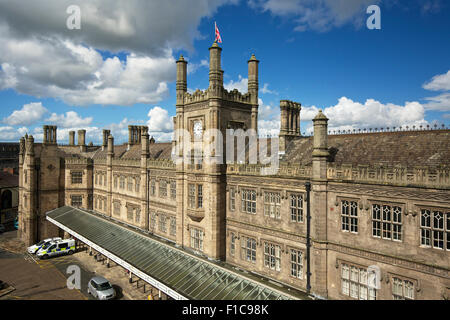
point(308, 237)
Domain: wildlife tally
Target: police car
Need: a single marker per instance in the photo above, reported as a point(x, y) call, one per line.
point(35, 247)
point(56, 248)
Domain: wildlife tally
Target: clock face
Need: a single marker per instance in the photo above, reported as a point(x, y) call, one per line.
point(198, 129)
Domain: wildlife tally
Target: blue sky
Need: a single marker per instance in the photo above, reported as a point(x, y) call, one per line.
point(316, 53)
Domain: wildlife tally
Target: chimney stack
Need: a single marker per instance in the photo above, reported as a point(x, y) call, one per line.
point(71, 138)
point(49, 135)
point(106, 134)
point(82, 140)
point(290, 123)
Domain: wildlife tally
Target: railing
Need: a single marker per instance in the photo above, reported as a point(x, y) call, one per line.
point(405, 128)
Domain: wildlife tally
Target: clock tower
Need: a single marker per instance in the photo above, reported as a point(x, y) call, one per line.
point(200, 138)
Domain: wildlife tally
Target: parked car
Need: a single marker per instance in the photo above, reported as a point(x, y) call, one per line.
point(2, 228)
point(101, 289)
point(35, 247)
point(56, 248)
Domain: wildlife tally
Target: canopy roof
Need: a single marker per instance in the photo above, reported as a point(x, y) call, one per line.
point(179, 274)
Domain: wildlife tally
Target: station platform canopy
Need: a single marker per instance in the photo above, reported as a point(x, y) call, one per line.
point(174, 271)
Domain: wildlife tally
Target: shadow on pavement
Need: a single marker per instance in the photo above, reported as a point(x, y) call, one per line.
point(119, 294)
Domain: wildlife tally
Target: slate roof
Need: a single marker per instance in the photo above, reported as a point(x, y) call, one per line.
point(406, 148)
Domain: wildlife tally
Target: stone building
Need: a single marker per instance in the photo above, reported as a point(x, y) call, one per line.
point(379, 202)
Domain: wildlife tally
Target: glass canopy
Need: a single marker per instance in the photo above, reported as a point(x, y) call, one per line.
point(189, 276)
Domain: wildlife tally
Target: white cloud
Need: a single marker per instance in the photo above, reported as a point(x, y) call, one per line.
point(241, 85)
point(70, 119)
point(140, 26)
point(193, 67)
point(39, 56)
point(439, 82)
point(265, 89)
point(159, 120)
point(29, 114)
point(79, 75)
point(349, 114)
point(9, 133)
point(317, 15)
point(268, 119)
point(439, 103)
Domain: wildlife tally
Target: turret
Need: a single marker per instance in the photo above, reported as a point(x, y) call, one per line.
point(30, 146)
point(320, 151)
point(253, 87)
point(110, 145)
point(21, 150)
point(181, 79)
point(215, 71)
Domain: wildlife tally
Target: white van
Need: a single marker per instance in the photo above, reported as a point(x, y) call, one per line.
point(35, 247)
point(56, 248)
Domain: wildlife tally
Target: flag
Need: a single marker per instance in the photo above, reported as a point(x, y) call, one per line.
point(216, 30)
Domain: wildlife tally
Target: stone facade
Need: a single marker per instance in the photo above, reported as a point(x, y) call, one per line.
point(377, 200)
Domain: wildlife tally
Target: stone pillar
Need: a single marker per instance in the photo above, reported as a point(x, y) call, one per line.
point(20, 207)
point(109, 160)
point(145, 154)
point(28, 224)
point(319, 200)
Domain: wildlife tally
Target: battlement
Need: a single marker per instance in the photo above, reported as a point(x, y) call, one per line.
point(196, 96)
point(233, 96)
point(236, 96)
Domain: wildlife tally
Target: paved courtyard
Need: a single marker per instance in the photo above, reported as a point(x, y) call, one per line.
point(35, 279)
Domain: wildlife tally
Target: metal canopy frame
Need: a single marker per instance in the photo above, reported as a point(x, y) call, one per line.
point(178, 274)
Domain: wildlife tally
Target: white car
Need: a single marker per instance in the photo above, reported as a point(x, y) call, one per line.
point(35, 247)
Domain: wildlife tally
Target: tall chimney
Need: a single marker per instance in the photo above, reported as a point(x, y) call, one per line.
point(82, 140)
point(106, 134)
point(71, 138)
